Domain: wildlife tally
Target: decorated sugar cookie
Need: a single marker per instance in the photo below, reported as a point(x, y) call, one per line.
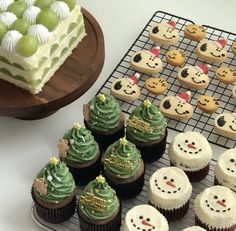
point(234, 91)
point(156, 85)
point(126, 88)
point(144, 218)
point(177, 107)
point(225, 169)
point(215, 208)
point(164, 33)
point(226, 75)
point(194, 76)
point(225, 124)
point(208, 104)
point(175, 57)
point(233, 48)
point(194, 32)
point(147, 61)
point(212, 51)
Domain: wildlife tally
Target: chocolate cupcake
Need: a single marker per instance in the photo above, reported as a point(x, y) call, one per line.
point(54, 192)
point(99, 208)
point(144, 218)
point(225, 169)
point(146, 128)
point(103, 117)
point(169, 192)
point(215, 209)
point(80, 152)
point(124, 168)
point(194, 228)
point(191, 152)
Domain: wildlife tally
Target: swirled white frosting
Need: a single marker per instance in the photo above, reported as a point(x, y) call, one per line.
point(29, 2)
point(5, 3)
point(10, 40)
point(40, 32)
point(31, 14)
point(8, 18)
point(61, 9)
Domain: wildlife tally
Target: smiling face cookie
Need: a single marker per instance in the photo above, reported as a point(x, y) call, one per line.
point(208, 104)
point(156, 85)
point(212, 51)
point(175, 57)
point(194, 76)
point(226, 75)
point(147, 61)
point(215, 206)
point(225, 125)
point(225, 170)
point(144, 218)
point(126, 88)
point(233, 48)
point(194, 32)
point(177, 107)
point(164, 33)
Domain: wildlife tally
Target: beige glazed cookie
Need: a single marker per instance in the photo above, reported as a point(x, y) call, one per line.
point(177, 107)
point(226, 75)
point(233, 48)
point(164, 33)
point(194, 76)
point(156, 85)
point(194, 32)
point(225, 124)
point(147, 61)
point(212, 51)
point(234, 92)
point(175, 57)
point(126, 88)
point(208, 104)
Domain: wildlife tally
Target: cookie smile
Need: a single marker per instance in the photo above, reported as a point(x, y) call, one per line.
point(129, 93)
point(168, 37)
point(217, 56)
point(203, 104)
point(150, 65)
point(191, 32)
point(232, 128)
point(171, 57)
point(217, 210)
point(180, 113)
point(221, 75)
point(151, 86)
point(196, 81)
point(189, 152)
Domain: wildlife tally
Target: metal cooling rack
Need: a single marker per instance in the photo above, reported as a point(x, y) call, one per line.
point(142, 198)
point(200, 122)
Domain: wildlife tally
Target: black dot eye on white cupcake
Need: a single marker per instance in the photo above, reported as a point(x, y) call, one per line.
point(170, 185)
point(217, 204)
point(143, 223)
point(233, 163)
point(189, 147)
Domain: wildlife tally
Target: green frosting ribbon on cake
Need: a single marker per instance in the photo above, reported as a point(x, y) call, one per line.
point(54, 182)
point(98, 200)
point(146, 123)
point(122, 159)
point(82, 146)
point(104, 113)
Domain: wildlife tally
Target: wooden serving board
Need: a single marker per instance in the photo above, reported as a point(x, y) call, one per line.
point(73, 79)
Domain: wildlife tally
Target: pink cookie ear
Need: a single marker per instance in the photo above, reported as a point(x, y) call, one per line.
point(184, 97)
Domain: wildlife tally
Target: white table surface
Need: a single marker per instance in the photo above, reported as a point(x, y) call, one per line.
point(25, 146)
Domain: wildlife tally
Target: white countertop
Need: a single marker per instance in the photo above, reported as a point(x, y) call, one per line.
point(25, 146)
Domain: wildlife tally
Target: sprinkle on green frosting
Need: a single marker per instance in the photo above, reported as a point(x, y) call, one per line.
point(104, 113)
point(122, 159)
point(98, 200)
point(146, 123)
point(54, 182)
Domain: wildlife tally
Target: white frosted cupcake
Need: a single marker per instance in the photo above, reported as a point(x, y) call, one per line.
point(144, 218)
point(215, 209)
point(169, 192)
point(191, 152)
point(194, 228)
point(225, 169)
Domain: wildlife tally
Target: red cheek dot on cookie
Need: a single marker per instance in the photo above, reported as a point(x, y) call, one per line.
point(221, 203)
point(170, 184)
point(191, 146)
point(144, 222)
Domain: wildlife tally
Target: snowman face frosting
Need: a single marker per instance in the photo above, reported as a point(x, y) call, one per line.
point(228, 162)
point(145, 218)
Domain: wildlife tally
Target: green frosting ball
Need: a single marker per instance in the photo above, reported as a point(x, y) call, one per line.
point(70, 3)
point(21, 25)
point(104, 113)
point(82, 146)
point(17, 8)
point(48, 18)
point(27, 45)
point(59, 181)
point(98, 200)
point(42, 4)
point(3, 30)
point(146, 123)
point(122, 159)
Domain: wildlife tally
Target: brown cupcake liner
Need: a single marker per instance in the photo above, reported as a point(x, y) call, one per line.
point(113, 225)
point(55, 215)
point(127, 190)
point(208, 228)
point(196, 176)
point(173, 214)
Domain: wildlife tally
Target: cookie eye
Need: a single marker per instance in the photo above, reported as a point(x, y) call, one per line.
point(215, 197)
point(184, 73)
point(155, 30)
point(118, 85)
point(137, 58)
point(167, 104)
point(165, 177)
point(232, 160)
point(221, 121)
point(141, 217)
point(223, 55)
point(203, 47)
point(156, 64)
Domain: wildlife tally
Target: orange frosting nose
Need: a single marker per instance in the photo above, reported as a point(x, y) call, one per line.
point(191, 146)
point(170, 184)
point(144, 222)
point(221, 203)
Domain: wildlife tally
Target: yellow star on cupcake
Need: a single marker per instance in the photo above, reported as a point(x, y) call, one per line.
point(102, 98)
point(100, 179)
point(54, 160)
point(123, 141)
point(147, 103)
point(77, 125)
